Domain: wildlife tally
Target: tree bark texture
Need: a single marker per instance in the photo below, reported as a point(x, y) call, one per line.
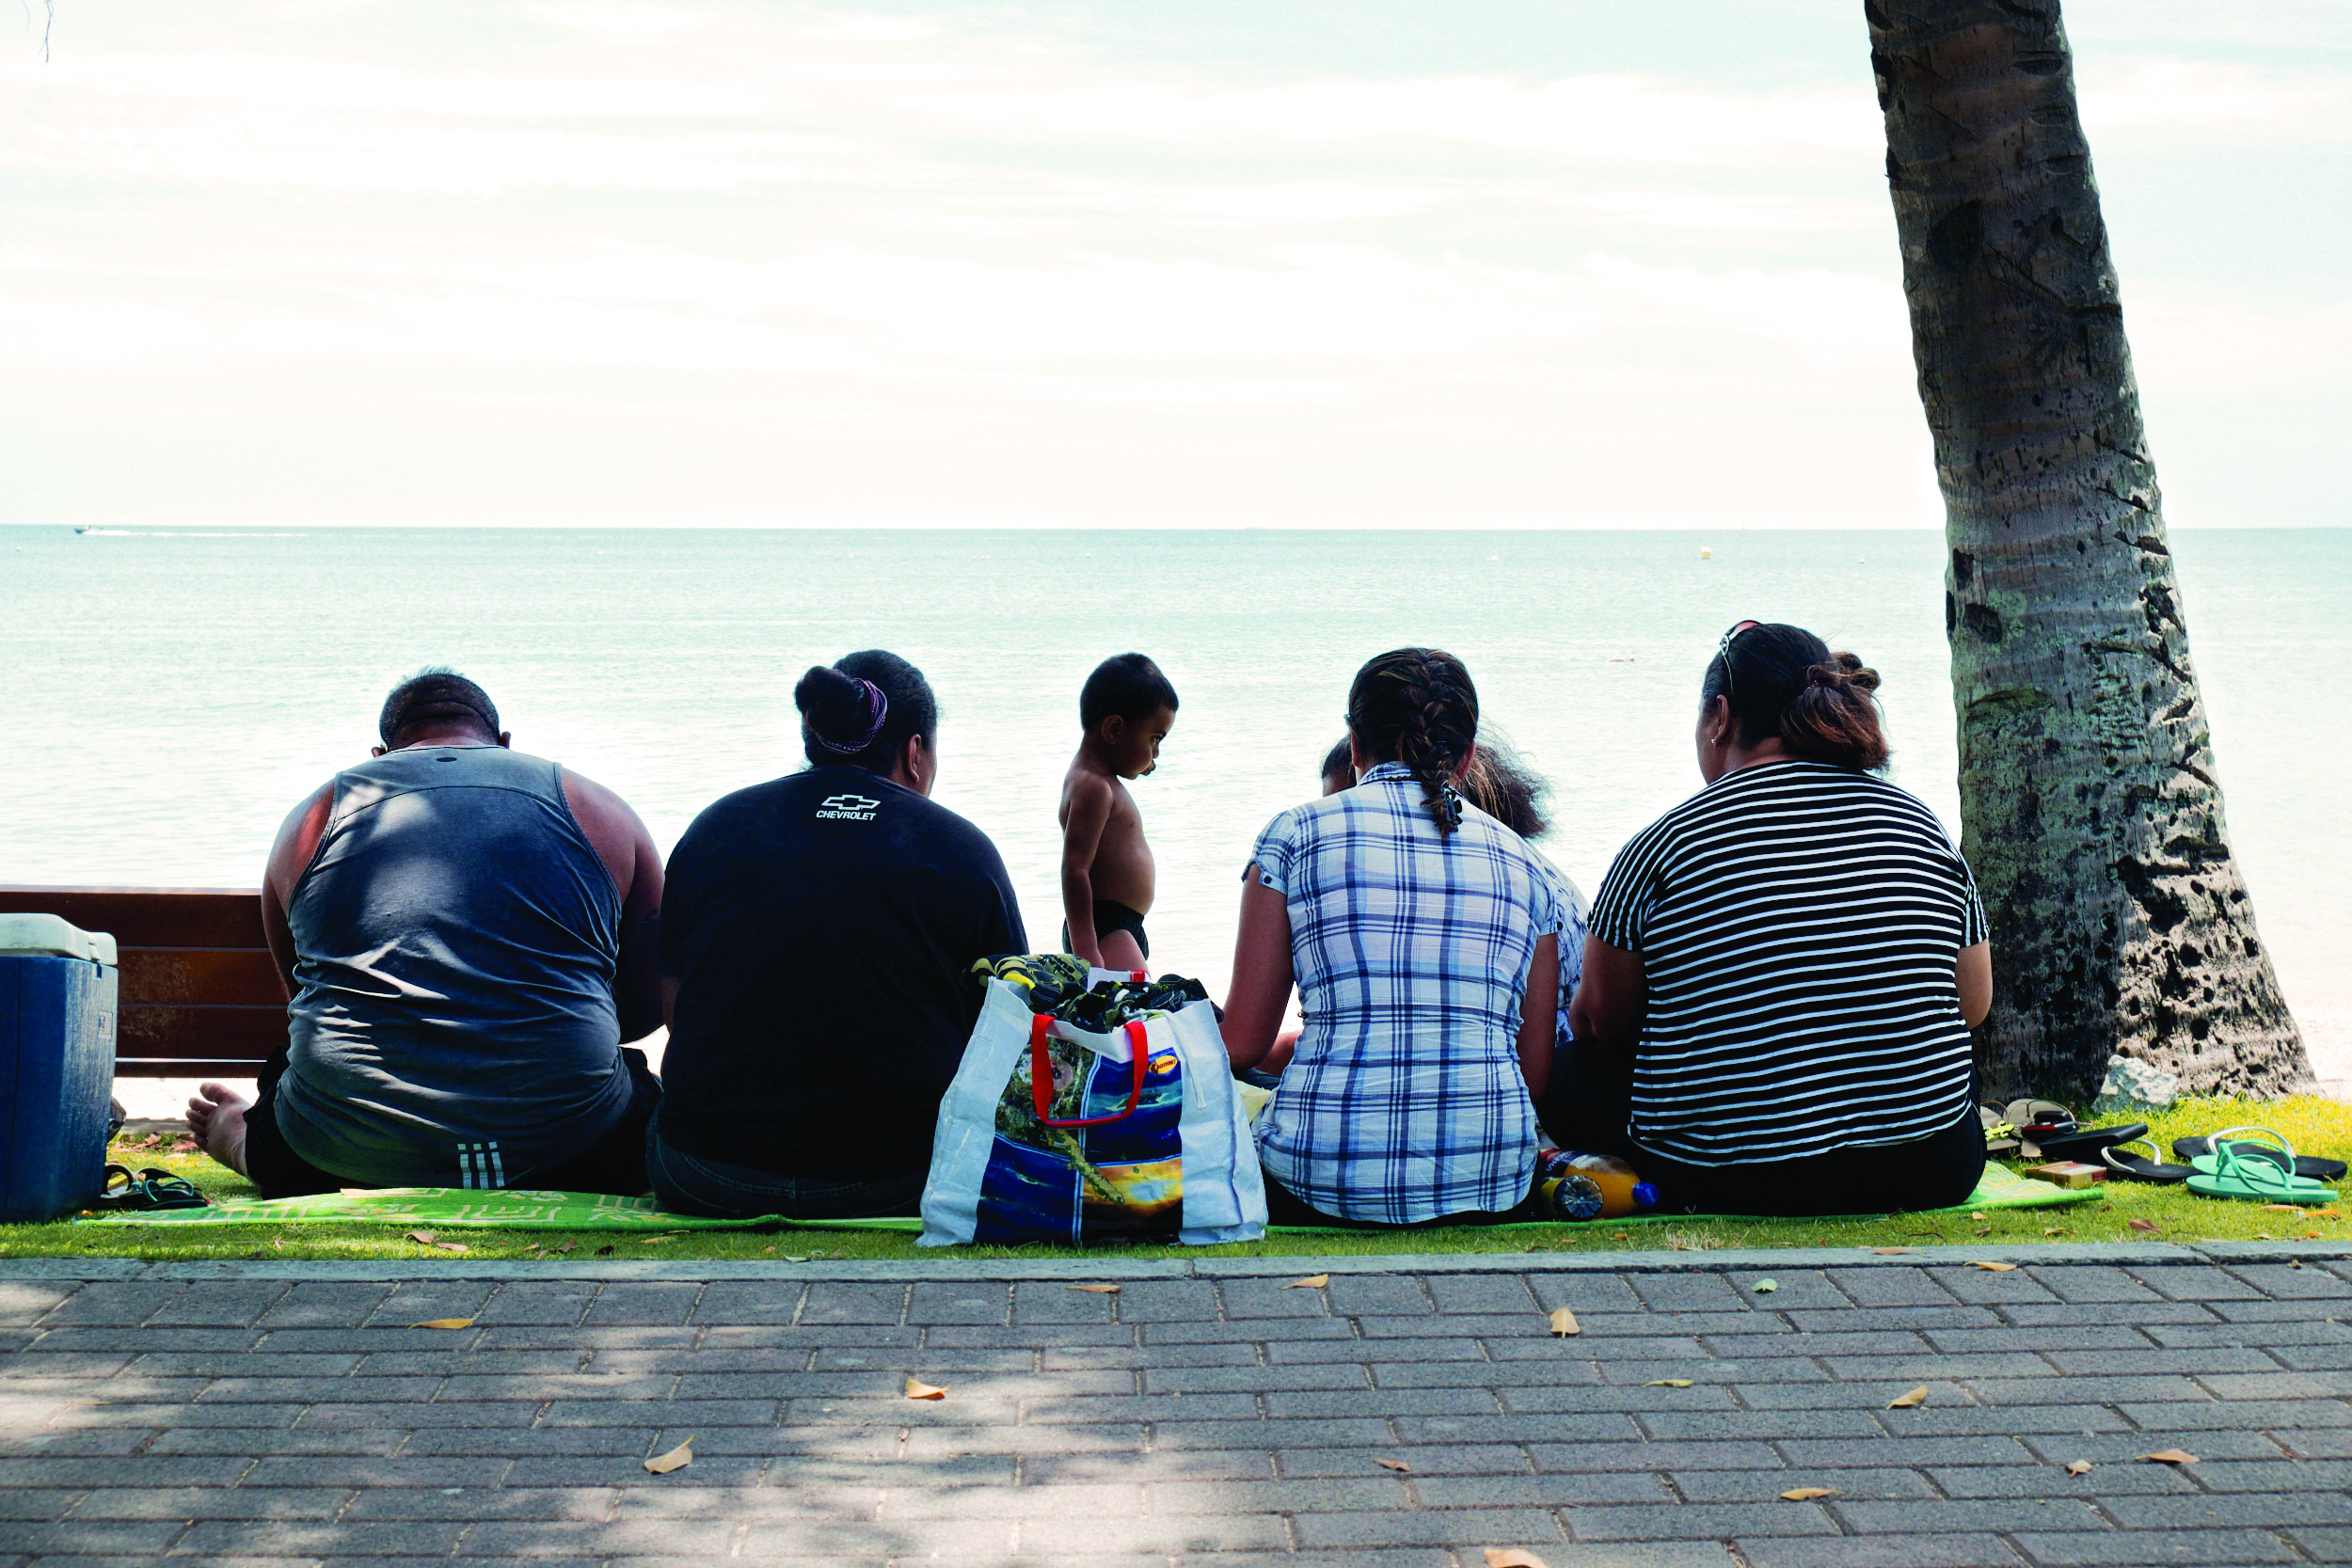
point(2092, 814)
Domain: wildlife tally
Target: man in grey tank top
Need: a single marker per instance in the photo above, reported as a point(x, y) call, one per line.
point(466, 935)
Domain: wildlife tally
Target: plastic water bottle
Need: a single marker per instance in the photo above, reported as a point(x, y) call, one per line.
point(1573, 1186)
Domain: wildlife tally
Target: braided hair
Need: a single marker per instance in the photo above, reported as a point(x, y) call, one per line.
point(1417, 706)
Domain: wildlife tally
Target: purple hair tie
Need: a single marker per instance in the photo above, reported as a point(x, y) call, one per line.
point(877, 711)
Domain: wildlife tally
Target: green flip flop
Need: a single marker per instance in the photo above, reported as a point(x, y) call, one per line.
point(2254, 1172)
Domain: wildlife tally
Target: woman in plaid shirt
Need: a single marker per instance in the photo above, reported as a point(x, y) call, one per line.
point(1424, 937)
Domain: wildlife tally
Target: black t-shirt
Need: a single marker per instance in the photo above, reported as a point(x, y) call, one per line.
point(819, 927)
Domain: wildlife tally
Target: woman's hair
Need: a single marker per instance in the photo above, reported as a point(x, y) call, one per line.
point(1339, 762)
point(1783, 681)
point(1417, 706)
point(1500, 786)
point(861, 709)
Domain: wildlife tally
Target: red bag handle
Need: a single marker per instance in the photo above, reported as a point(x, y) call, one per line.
point(1042, 1074)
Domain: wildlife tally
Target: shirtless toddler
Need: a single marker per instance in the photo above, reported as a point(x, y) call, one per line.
point(1127, 708)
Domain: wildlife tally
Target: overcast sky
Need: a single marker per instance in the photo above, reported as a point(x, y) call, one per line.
point(1200, 262)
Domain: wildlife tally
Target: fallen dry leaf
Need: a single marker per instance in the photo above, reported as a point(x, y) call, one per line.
point(1807, 1494)
point(1312, 1282)
point(648, 1241)
point(2285, 1209)
point(1985, 1231)
point(451, 1247)
point(1397, 1464)
point(2054, 1231)
point(1621, 1235)
point(1993, 1267)
point(917, 1389)
point(1977, 1214)
point(2312, 1235)
point(423, 1237)
point(1668, 1383)
point(2078, 1467)
point(2262, 1236)
point(677, 1459)
point(1765, 1287)
point(2171, 1456)
point(1095, 1290)
point(1499, 1557)
point(2148, 1225)
point(1564, 1323)
point(796, 1256)
point(567, 1246)
point(444, 1323)
point(1890, 1251)
point(1904, 1401)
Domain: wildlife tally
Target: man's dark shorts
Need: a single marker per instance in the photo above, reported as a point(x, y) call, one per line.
point(613, 1163)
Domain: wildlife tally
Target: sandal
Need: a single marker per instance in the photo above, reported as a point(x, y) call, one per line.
point(2086, 1143)
point(124, 1191)
point(2051, 1132)
point(2132, 1167)
point(2239, 1168)
point(2317, 1167)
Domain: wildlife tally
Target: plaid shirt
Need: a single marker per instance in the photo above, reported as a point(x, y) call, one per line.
point(1405, 1101)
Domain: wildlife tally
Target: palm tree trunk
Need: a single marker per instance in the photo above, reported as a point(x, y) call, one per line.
point(2091, 812)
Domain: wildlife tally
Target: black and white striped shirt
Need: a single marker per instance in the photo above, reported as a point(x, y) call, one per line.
point(1798, 925)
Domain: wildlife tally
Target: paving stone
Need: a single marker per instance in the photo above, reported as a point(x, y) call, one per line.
point(2136, 1548)
point(1974, 1513)
point(2284, 1282)
point(413, 1302)
point(1366, 1295)
point(1452, 1459)
point(317, 1303)
point(1282, 1353)
point(1894, 1287)
point(533, 1303)
point(110, 1302)
point(980, 1302)
point(1184, 1534)
point(1312, 1374)
point(1502, 1294)
point(1594, 1295)
point(1677, 1456)
point(1159, 1301)
point(1727, 1486)
point(2049, 1480)
point(28, 1301)
point(189, 1503)
point(1879, 1551)
point(1476, 1526)
point(2324, 1544)
point(2200, 1511)
point(1688, 1292)
point(624, 1305)
point(1270, 1298)
point(1549, 1490)
point(1700, 1521)
point(218, 1304)
point(2193, 1282)
point(1052, 1300)
point(1270, 1333)
point(2090, 1283)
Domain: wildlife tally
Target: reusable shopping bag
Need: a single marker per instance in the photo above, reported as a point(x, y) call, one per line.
point(1087, 1109)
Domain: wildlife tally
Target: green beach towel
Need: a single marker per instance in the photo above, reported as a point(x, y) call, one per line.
point(520, 1210)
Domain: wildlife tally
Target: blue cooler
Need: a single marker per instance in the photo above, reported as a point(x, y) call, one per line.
point(58, 1008)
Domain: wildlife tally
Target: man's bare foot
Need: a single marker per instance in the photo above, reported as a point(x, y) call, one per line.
point(216, 1118)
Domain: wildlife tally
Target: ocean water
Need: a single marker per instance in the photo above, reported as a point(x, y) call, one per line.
point(170, 694)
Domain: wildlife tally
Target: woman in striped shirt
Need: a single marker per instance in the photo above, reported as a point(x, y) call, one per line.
point(1782, 972)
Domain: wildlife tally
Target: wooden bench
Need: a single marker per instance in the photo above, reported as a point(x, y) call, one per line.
point(200, 995)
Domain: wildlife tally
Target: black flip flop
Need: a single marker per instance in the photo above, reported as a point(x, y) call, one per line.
point(2313, 1166)
point(2084, 1143)
point(149, 1189)
point(2133, 1167)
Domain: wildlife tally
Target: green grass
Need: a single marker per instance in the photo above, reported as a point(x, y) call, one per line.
point(2314, 1125)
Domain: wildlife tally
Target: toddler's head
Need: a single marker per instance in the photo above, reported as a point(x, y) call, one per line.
point(1127, 708)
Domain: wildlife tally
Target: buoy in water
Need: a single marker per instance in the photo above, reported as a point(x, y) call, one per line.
point(1706, 554)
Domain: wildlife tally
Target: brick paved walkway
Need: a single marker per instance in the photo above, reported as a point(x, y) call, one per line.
point(259, 1414)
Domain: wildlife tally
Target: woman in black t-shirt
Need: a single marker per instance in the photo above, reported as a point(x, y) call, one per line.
point(1782, 972)
point(817, 933)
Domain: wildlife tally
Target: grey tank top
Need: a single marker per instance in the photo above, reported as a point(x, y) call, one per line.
point(455, 941)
